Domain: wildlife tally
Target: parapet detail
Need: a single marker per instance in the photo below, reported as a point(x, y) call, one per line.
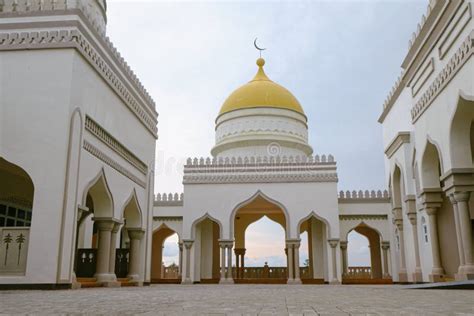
point(169, 199)
point(93, 10)
point(420, 25)
point(364, 196)
point(260, 170)
point(265, 160)
point(118, 74)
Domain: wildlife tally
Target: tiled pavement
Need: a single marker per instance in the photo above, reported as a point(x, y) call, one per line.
point(241, 300)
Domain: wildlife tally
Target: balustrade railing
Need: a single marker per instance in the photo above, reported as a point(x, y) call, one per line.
point(358, 273)
point(268, 272)
point(171, 272)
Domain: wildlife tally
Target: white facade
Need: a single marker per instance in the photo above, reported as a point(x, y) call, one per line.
point(65, 97)
point(428, 138)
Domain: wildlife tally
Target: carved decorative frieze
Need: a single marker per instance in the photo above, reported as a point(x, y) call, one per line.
point(112, 163)
point(258, 178)
point(99, 132)
point(358, 217)
point(167, 218)
point(67, 38)
point(444, 77)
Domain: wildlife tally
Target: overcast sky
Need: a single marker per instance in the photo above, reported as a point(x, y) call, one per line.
point(339, 58)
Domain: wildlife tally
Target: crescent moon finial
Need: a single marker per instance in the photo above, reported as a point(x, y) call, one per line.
point(258, 48)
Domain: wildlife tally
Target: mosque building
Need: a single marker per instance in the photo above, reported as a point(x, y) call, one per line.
point(77, 202)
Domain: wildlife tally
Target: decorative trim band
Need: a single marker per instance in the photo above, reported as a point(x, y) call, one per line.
point(396, 143)
point(112, 163)
point(444, 77)
point(363, 217)
point(67, 38)
point(210, 178)
point(101, 134)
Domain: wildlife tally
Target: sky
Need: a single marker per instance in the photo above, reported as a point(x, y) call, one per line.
point(339, 58)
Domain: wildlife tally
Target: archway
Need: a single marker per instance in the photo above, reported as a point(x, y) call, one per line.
point(16, 208)
point(131, 238)
point(94, 262)
point(206, 232)
point(440, 217)
point(257, 208)
point(363, 261)
point(316, 231)
point(159, 274)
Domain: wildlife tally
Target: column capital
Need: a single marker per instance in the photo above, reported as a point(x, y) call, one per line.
point(385, 245)
point(105, 223)
point(116, 227)
point(333, 242)
point(343, 244)
point(397, 213)
point(461, 196)
point(240, 251)
point(431, 197)
point(135, 233)
point(225, 243)
point(412, 218)
point(431, 210)
point(293, 242)
point(398, 223)
point(188, 243)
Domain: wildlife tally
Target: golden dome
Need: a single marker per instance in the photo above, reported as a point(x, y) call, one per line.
point(261, 92)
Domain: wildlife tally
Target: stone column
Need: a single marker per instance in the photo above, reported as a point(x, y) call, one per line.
point(187, 260)
point(242, 263)
point(385, 247)
point(344, 257)
point(135, 235)
point(458, 237)
point(229, 263)
point(113, 246)
point(296, 259)
point(223, 263)
point(464, 218)
point(180, 265)
point(398, 220)
point(102, 274)
point(437, 271)
point(239, 262)
point(333, 243)
point(417, 275)
point(291, 261)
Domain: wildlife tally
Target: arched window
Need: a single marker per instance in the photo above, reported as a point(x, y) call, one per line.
point(424, 227)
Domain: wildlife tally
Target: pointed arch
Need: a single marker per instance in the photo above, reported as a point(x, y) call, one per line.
point(431, 165)
point(201, 219)
point(397, 185)
point(362, 223)
point(262, 195)
point(131, 212)
point(98, 190)
point(319, 218)
point(461, 132)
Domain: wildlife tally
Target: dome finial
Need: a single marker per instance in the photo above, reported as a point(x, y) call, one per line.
point(258, 48)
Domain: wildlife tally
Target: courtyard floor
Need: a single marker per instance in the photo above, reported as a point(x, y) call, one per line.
point(240, 300)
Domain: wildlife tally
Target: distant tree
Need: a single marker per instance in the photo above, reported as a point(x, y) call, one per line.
point(306, 263)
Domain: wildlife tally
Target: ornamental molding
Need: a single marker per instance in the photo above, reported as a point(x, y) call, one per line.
point(100, 133)
point(456, 62)
point(112, 163)
point(396, 143)
point(169, 199)
point(358, 217)
point(103, 57)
